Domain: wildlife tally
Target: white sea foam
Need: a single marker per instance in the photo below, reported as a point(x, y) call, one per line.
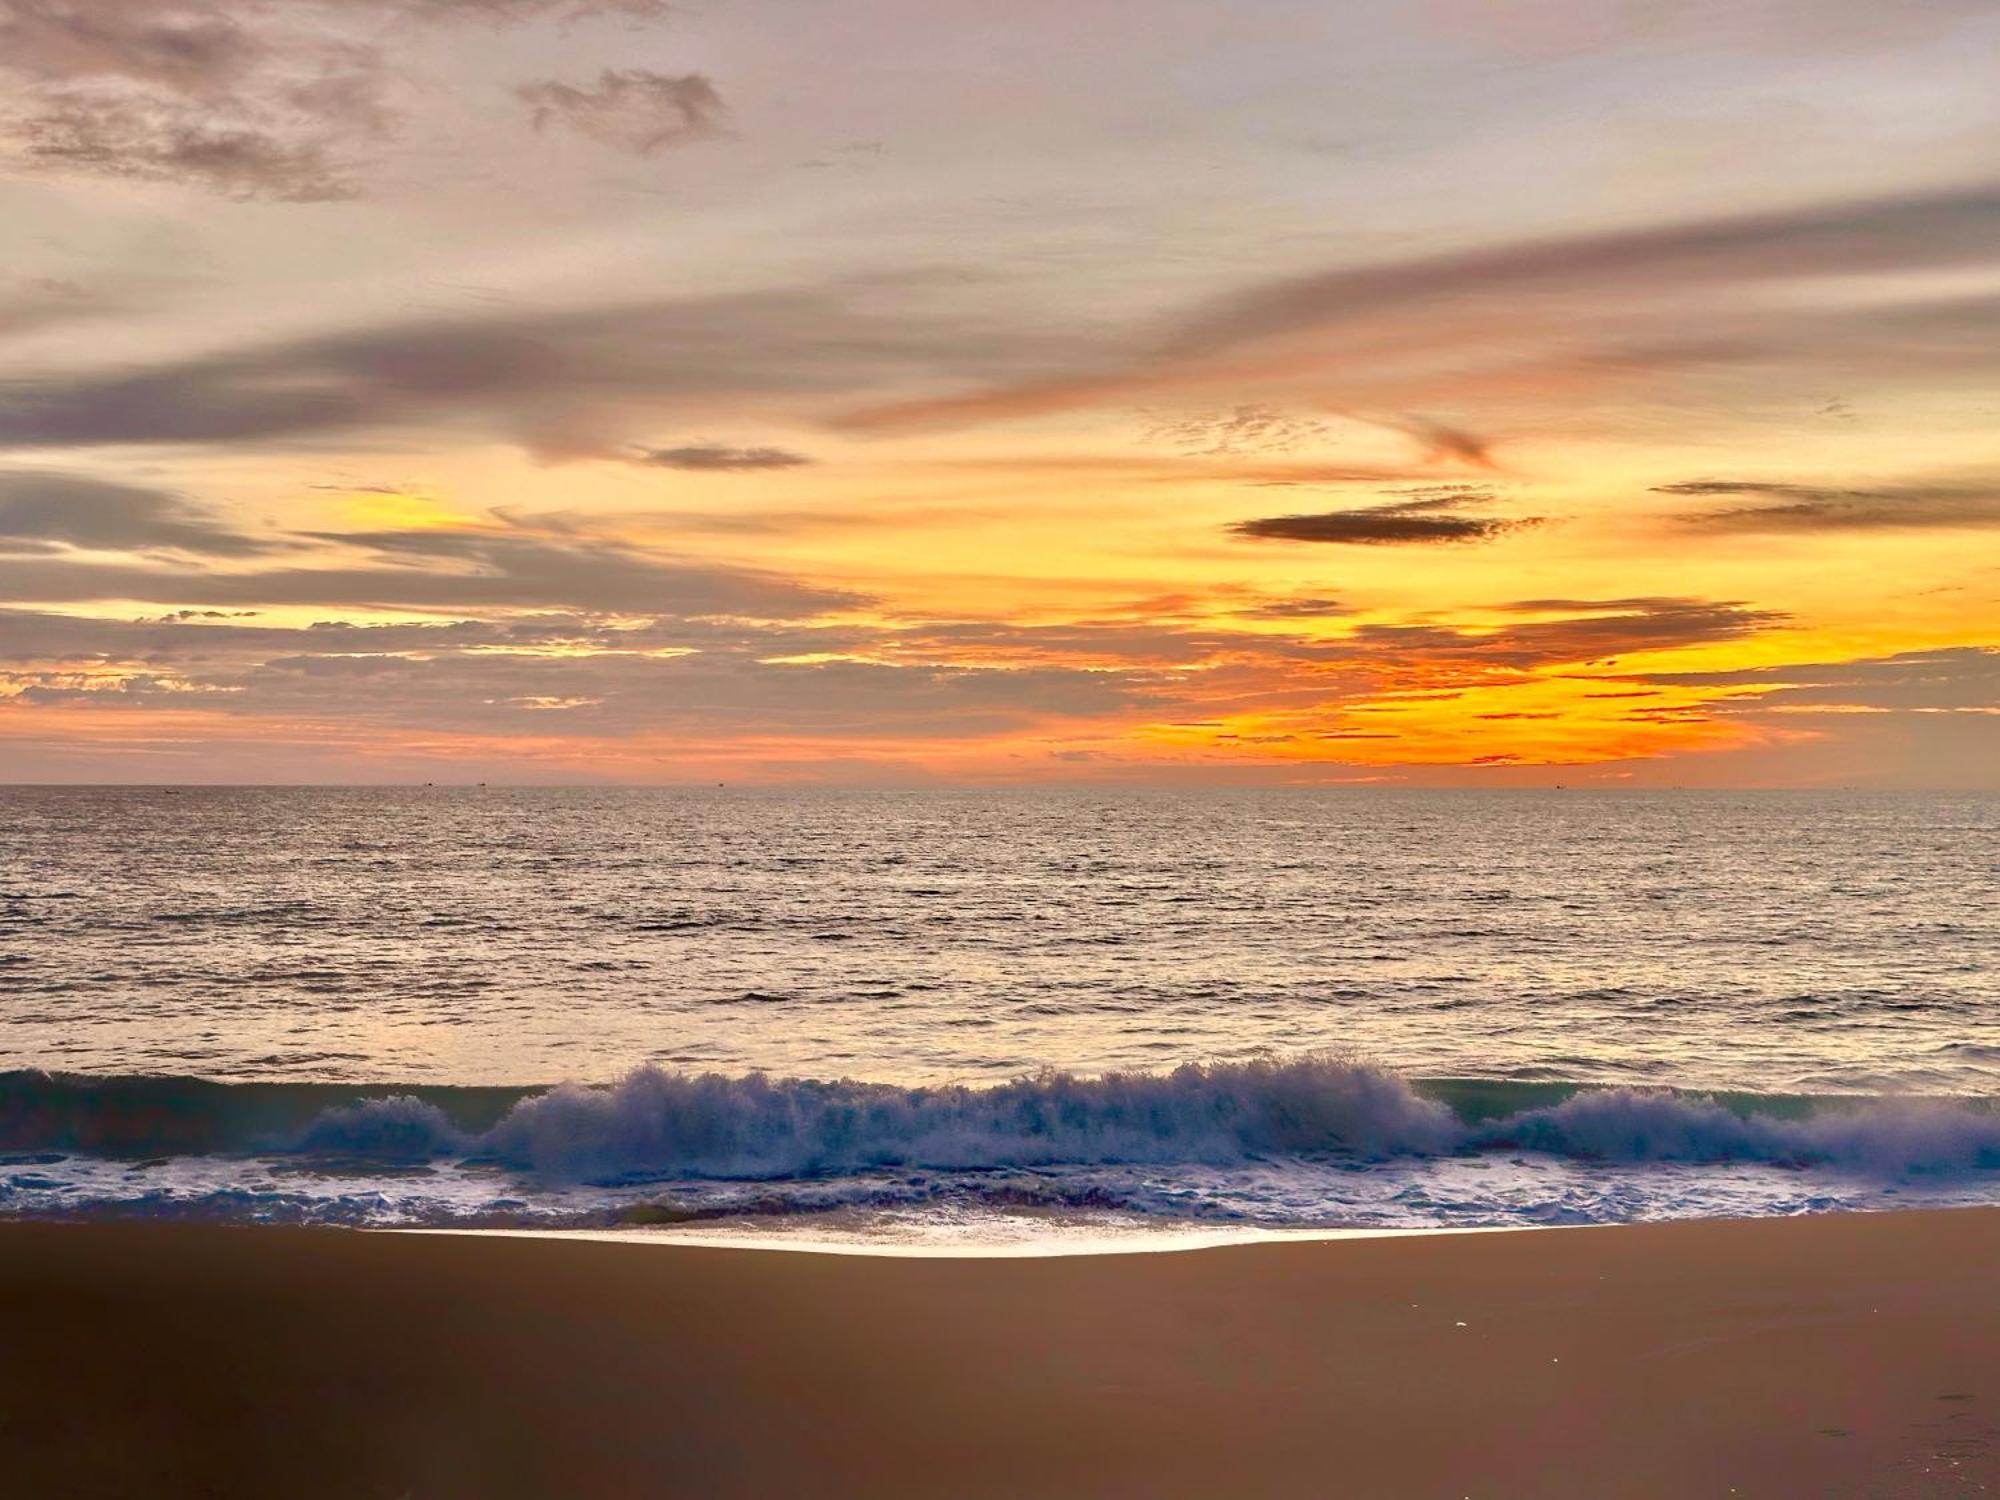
point(662, 1125)
point(1304, 1142)
point(976, 1206)
point(1884, 1135)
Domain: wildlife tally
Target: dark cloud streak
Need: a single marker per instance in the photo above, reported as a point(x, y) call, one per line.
point(1382, 525)
point(1496, 323)
point(1431, 516)
point(564, 383)
point(432, 570)
point(1959, 226)
point(1948, 679)
point(1961, 503)
point(38, 508)
point(707, 457)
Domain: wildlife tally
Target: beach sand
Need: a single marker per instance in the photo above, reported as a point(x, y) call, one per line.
point(1852, 1355)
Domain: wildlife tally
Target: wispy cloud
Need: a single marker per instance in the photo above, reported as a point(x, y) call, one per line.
point(1959, 226)
point(629, 109)
point(111, 139)
point(237, 98)
point(31, 304)
point(1305, 607)
point(39, 508)
point(1580, 313)
point(705, 456)
point(1960, 503)
point(493, 567)
point(1236, 430)
point(1430, 516)
point(251, 99)
point(1948, 679)
point(601, 676)
point(565, 383)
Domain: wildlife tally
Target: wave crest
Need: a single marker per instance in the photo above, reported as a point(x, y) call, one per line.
point(398, 1128)
point(1884, 1135)
point(656, 1124)
point(662, 1123)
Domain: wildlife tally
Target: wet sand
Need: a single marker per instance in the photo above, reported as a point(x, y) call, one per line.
point(1854, 1355)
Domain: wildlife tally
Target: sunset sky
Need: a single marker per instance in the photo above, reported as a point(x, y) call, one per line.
point(1580, 391)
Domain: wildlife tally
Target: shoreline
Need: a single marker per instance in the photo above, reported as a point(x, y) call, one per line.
point(1077, 1239)
point(1830, 1355)
point(1058, 1245)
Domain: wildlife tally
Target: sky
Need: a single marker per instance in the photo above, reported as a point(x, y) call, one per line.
point(1470, 392)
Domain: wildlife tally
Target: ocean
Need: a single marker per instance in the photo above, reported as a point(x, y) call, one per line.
point(994, 1014)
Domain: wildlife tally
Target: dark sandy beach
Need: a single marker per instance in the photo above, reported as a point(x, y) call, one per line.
point(1837, 1356)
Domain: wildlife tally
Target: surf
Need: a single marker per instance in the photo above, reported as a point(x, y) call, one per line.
point(661, 1124)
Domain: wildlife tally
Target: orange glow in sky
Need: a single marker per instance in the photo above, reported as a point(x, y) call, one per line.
point(907, 396)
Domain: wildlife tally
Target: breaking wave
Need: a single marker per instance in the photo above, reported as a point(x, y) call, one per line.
point(1881, 1135)
point(671, 1124)
point(657, 1125)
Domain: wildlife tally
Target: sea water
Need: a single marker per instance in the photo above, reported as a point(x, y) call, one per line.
point(1296, 1008)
